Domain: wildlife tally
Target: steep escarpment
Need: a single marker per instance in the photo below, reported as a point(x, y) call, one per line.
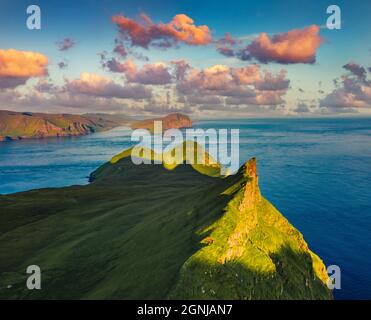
point(251, 252)
point(155, 232)
point(22, 125)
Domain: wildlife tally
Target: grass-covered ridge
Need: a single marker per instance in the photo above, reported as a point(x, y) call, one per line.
point(147, 232)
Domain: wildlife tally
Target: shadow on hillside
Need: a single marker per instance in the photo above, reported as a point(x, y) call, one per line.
point(294, 278)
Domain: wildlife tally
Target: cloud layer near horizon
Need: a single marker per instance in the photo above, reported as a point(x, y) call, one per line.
point(130, 81)
point(353, 90)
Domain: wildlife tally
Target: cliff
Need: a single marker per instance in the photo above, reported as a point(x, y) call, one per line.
point(171, 121)
point(156, 232)
point(22, 125)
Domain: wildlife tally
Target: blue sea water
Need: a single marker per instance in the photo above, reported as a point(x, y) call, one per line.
point(317, 172)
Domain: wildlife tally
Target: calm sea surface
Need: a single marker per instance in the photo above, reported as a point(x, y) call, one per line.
point(317, 172)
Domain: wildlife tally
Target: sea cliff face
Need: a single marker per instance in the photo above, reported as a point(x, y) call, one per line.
point(155, 232)
point(23, 125)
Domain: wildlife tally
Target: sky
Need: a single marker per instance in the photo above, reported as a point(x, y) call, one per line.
point(204, 58)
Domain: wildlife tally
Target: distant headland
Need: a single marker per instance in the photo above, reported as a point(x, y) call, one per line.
point(26, 125)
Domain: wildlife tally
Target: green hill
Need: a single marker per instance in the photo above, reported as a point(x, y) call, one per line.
point(154, 232)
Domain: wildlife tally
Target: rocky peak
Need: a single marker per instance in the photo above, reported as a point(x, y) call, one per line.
point(252, 192)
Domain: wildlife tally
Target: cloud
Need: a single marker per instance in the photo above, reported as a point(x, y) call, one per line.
point(221, 84)
point(149, 74)
point(120, 49)
point(62, 65)
point(143, 33)
point(356, 70)
point(16, 67)
point(247, 75)
point(295, 46)
point(154, 107)
point(65, 44)
point(226, 45)
point(351, 91)
point(11, 82)
point(45, 85)
point(181, 68)
point(302, 108)
point(262, 98)
point(94, 85)
point(74, 96)
point(272, 82)
point(60, 102)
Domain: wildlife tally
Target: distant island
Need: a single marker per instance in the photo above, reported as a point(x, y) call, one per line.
point(171, 121)
point(26, 125)
point(156, 232)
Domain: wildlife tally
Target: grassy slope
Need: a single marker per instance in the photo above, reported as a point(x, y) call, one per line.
point(137, 232)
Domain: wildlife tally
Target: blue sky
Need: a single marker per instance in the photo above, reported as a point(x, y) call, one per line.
point(89, 24)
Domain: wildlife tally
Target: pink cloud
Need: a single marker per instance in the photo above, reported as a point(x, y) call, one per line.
point(149, 74)
point(247, 75)
point(144, 32)
point(226, 45)
point(120, 49)
point(235, 86)
point(65, 44)
point(354, 90)
point(272, 82)
point(295, 46)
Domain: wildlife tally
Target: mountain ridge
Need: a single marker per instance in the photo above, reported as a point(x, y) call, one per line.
point(150, 232)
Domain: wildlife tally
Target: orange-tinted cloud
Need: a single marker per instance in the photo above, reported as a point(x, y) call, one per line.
point(16, 67)
point(295, 46)
point(22, 64)
point(180, 29)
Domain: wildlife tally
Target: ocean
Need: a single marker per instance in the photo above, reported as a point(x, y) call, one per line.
point(317, 172)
